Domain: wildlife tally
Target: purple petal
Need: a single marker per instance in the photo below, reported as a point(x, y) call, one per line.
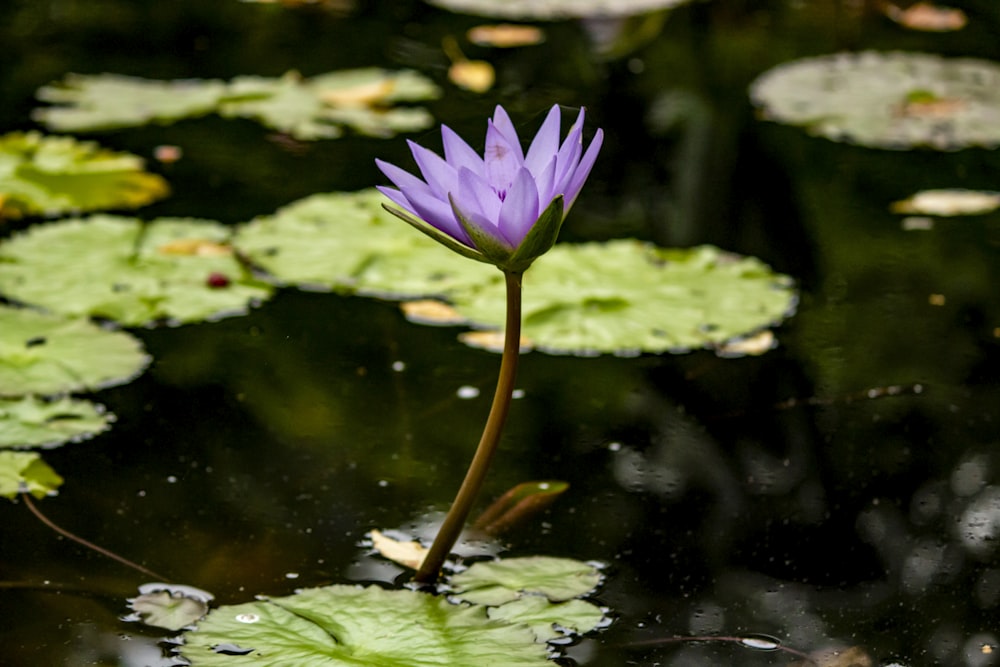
point(545, 182)
point(568, 157)
point(397, 197)
point(459, 154)
point(474, 191)
point(502, 162)
point(583, 169)
point(503, 123)
point(440, 175)
point(545, 144)
point(519, 210)
point(438, 214)
point(401, 178)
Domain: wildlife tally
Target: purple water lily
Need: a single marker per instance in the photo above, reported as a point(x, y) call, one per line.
point(504, 208)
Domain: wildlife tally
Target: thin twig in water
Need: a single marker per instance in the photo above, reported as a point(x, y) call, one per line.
point(90, 545)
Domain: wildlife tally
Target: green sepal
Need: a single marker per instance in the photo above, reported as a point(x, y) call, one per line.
point(438, 235)
point(495, 250)
point(539, 239)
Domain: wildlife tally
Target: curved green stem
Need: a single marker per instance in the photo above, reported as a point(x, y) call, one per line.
point(459, 512)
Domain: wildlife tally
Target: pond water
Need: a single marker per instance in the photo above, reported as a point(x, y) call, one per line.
point(841, 491)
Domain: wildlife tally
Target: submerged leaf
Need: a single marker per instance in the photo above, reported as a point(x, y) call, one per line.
point(42, 175)
point(348, 626)
point(125, 270)
point(408, 554)
point(44, 354)
point(170, 606)
point(26, 471)
point(499, 581)
point(33, 422)
point(887, 100)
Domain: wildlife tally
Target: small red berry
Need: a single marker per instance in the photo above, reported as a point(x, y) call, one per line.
point(217, 280)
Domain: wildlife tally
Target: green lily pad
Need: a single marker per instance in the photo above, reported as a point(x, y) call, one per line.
point(169, 606)
point(178, 270)
point(88, 103)
point(320, 107)
point(550, 620)
point(347, 241)
point(347, 626)
point(45, 354)
point(27, 469)
point(362, 100)
point(627, 297)
point(886, 100)
point(499, 581)
point(554, 9)
point(42, 175)
point(33, 422)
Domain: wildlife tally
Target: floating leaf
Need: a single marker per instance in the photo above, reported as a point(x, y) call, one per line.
point(949, 202)
point(505, 35)
point(170, 606)
point(554, 9)
point(44, 354)
point(92, 102)
point(626, 297)
point(500, 581)
point(347, 241)
point(926, 17)
point(128, 271)
point(408, 554)
point(346, 626)
point(27, 471)
point(887, 100)
point(33, 422)
point(315, 108)
point(42, 175)
point(543, 617)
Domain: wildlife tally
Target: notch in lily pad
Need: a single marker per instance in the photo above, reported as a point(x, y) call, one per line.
point(31, 421)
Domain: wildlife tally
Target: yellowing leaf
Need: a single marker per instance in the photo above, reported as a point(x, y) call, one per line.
point(407, 554)
point(927, 17)
point(196, 247)
point(505, 35)
point(947, 202)
point(430, 311)
point(362, 95)
point(475, 75)
point(490, 340)
point(755, 345)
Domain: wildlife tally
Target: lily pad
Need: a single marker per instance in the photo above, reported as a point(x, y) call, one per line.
point(544, 617)
point(44, 354)
point(33, 422)
point(169, 606)
point(363, 100)
point(499, 581)
point(627, 297)
point(887, 100)
point(554, 9)
point(26, 470)
point(170, 269)
point(42, 175)
point(89, 103)
point(347, 241)
point(348, 626)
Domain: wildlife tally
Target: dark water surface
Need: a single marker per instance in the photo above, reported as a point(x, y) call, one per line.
point(257, 451)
